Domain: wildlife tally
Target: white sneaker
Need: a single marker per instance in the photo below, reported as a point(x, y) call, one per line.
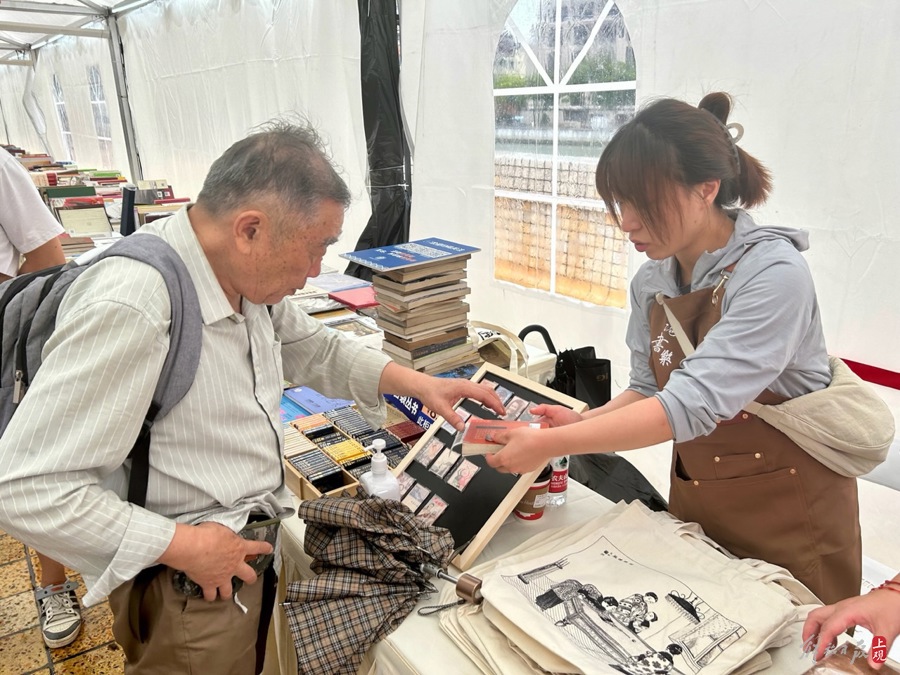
point(60, 613)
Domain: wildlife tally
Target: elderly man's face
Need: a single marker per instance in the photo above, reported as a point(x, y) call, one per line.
point(298, 256)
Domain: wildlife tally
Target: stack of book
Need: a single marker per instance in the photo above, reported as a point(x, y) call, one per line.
point(420, 288)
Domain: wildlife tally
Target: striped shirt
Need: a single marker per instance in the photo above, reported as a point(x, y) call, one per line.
point(215, 457)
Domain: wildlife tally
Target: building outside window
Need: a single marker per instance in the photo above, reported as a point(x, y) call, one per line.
point(62, 117)
point(564, 82)
point(101, 117)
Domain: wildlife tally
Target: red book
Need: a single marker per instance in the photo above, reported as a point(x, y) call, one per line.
point(356, 298)
point(479, 436)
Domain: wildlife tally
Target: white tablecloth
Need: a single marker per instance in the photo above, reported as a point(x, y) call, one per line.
point(419, 646)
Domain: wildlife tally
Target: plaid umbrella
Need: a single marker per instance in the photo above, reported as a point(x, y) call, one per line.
point(366, 554)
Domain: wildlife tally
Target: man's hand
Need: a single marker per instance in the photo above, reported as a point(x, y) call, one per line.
point(210, 554)
point(523, 450)
point(440, 394)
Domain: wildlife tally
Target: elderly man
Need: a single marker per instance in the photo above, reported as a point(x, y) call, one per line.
point(268, 210)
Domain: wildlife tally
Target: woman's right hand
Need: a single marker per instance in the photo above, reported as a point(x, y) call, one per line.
point(555, 415)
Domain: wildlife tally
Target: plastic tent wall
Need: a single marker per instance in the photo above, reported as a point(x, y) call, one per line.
point(812, 82)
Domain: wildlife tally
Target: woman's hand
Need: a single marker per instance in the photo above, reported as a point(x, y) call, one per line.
point(877, 611)
point(523, 450)
point(555, 415)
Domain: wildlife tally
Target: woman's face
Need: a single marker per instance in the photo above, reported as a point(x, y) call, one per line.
point(682, 224)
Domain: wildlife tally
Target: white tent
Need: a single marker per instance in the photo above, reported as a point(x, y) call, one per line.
point(814, 83)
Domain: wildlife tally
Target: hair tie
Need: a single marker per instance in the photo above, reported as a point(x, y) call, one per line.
point(732, 140)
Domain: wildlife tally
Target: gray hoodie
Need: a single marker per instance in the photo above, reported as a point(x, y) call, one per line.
point(769, 336)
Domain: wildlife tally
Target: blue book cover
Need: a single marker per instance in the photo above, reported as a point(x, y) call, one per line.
point(290, 410)
point(314, 402)
point(411, 254)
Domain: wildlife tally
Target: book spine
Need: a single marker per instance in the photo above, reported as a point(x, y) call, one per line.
point(419, 352)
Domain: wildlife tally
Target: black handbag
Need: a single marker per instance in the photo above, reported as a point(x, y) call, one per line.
point(579, 373)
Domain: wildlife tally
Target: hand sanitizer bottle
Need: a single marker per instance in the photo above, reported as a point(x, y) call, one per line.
point(379, 481)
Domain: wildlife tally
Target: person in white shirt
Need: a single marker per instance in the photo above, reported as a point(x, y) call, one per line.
point(29, 231)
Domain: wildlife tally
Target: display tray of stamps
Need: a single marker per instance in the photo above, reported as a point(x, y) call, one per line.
point(325, 453)
point(463, 493)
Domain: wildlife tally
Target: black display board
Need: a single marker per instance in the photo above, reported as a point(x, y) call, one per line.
point(474, 513)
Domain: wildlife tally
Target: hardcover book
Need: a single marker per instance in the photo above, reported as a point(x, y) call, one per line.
point(417, 353)
point(407, 304)
point(416, 273)
point(410, 345)
point(383, 282)
point(409, 255)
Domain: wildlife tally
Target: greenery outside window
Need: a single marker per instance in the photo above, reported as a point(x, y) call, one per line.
point(564, 82)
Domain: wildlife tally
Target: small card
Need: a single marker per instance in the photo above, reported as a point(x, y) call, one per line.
point(417, 494)
point(462, 475)
point(515, 408)
point(406, 482)
point(445, 461)
point(432, 510)
point(432, 449)
point(504, 394)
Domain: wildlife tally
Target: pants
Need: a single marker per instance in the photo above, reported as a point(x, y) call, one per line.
point(163, 631)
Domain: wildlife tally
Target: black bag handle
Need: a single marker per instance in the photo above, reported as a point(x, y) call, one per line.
point(537, 328)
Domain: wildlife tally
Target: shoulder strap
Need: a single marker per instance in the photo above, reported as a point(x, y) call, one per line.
point(185, 339)
point(684, 341)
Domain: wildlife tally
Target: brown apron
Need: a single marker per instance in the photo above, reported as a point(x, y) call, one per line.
point(750, 487)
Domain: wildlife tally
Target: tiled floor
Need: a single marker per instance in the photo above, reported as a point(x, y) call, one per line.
point(22, 648)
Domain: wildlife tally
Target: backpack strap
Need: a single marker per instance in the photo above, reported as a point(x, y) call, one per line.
point(185, 339)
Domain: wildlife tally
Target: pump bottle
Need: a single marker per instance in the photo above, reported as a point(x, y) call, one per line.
point(379, 481)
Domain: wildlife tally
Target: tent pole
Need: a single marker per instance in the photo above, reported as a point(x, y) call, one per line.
point(118, 62)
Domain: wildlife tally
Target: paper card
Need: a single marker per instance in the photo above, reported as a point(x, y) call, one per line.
point(406, 482)
point(432, 449)
point(445, 461)
point(462, 475)
point(432, 510)
point(463, 413)
point(515, 408)
point(527, 416)
point(504, 394)
point(417, 494)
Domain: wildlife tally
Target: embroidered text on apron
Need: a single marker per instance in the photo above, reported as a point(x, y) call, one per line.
point(750, 487)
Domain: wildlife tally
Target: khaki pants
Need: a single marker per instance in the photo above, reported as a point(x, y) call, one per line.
point(182, 634)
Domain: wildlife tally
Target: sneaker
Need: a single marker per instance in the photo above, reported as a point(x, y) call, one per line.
point(60, 613)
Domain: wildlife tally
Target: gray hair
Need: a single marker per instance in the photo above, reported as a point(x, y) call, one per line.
point(278, 159)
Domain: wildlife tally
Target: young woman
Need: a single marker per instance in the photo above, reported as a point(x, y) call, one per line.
point(671, 179)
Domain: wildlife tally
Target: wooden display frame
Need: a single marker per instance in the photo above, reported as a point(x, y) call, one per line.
point(497, 494)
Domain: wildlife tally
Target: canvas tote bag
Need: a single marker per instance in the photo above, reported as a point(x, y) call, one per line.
point(845, 426)
point(711, 613)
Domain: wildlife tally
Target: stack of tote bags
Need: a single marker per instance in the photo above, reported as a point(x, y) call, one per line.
point(633, 591)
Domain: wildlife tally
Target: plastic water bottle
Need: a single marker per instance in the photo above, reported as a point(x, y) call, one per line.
point(559, 481)
point(378, 481)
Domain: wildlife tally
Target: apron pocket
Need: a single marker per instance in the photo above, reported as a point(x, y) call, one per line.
point(760, 516)
point(738, 466)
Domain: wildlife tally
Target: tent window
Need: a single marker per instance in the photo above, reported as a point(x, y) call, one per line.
point(101, 117)
point(63, 118)
point(564, 82)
